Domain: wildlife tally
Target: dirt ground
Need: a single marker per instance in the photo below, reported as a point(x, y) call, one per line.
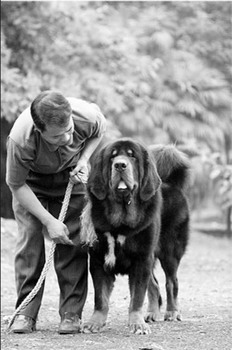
point(205, 298)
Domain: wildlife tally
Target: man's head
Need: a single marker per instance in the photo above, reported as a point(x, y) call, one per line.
point(51, 113)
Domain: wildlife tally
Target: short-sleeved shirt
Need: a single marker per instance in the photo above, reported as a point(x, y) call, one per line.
point(28, 151)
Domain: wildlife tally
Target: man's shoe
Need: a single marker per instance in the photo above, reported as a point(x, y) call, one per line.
point(70, 324)
point(23, 324)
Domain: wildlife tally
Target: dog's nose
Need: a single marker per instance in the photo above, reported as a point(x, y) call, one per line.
point(120, 165)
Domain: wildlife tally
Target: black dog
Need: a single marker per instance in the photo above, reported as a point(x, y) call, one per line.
point(137, 212)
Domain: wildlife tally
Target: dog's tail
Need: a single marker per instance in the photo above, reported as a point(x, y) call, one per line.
point(173, 166)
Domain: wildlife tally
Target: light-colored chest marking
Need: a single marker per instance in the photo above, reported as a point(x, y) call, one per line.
point(121, 239)
point(110, 258)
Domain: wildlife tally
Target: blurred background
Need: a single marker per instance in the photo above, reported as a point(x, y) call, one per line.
point(161, 72)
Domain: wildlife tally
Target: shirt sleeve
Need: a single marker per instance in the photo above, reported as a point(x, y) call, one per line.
point(89, 119)
point(100, 125)
point(17, 164)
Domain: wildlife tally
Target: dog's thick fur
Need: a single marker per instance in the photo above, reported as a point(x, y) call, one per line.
point(138, 212)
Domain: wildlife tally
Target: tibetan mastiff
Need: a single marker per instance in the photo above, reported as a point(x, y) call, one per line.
point(137, 213)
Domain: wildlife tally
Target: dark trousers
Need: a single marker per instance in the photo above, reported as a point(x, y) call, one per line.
point(70, 261)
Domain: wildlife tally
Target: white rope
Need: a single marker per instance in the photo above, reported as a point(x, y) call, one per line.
point(48, 263)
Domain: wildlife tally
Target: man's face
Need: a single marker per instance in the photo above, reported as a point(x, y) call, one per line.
point(59, 136)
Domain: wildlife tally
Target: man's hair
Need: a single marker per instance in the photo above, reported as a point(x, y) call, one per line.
point(50, 108)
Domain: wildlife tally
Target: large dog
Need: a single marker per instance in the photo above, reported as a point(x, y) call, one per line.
point(137, 212)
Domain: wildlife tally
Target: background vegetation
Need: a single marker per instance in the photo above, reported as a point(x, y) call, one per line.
point(160, 71)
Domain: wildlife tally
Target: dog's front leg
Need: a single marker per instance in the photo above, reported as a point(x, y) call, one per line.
point(154, 300)
point(103, 286)
point(138, 282)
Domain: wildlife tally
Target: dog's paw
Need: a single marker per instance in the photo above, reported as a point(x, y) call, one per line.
point(152, 316)
point(172, 316)
point(137, 324)
point(91, 327)
point(95, 324)
point(142, 328)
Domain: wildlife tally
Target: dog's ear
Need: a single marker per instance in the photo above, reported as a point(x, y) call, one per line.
point(96, 182)
point(150, 180)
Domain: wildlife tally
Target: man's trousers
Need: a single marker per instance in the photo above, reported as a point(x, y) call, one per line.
point(70, 261)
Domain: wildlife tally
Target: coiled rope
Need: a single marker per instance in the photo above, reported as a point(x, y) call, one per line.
point(48, 263)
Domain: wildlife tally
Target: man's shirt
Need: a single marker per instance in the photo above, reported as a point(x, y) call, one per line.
point(27, 150)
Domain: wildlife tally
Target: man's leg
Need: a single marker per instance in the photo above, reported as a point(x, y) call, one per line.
point(71, 261)
point(29, 259)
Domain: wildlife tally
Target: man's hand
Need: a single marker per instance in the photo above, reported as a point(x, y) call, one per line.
point(58, 232)
point(81, 172)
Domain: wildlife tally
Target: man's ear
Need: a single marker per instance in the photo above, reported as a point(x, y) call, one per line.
point(37, 129)
point(150, 180)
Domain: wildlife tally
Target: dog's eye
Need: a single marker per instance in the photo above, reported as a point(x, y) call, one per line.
point(114, 153)
point(130, 153)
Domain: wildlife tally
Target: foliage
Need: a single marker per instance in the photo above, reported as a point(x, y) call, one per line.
point(221, 174)
point(153, 75)
point(212, 166)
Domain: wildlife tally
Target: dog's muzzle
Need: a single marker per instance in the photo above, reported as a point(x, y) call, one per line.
point(122, 178)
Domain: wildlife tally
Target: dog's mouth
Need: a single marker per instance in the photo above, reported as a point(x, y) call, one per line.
point(122, 186)
point(123, 189)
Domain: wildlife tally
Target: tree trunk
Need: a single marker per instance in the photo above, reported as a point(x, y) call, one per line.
point(228, 222)
point(6, 197)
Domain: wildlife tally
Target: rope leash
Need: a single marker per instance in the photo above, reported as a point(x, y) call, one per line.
point(48, 263)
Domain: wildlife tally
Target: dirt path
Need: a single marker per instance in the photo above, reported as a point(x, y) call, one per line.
point(205, 298)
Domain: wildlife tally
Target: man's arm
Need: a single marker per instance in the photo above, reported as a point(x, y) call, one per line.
point(90, 147)
point(17, 170)
point(57, 231)
point(89, 112)
point(81, 171)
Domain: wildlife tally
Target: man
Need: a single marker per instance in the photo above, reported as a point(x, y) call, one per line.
point(50, 143)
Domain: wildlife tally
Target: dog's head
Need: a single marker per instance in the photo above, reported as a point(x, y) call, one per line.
point(122, 169)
